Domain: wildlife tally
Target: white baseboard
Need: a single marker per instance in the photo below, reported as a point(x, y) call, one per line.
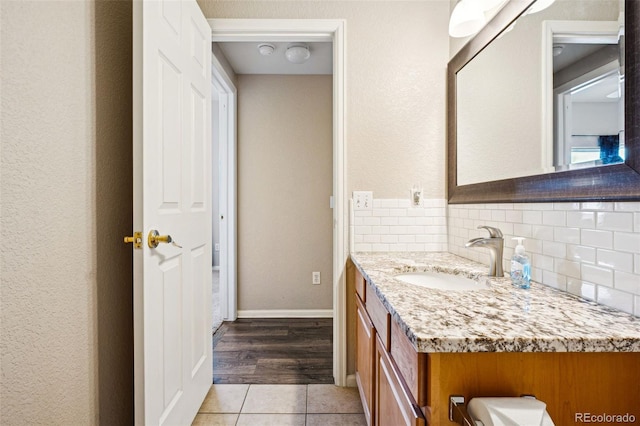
point(286, 313)
point(351, 381)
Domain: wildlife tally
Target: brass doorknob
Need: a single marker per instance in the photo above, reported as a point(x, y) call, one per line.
point(154, 239)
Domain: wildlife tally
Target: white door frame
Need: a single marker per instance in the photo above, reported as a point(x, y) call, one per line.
point(227, 183)
point(315, 30)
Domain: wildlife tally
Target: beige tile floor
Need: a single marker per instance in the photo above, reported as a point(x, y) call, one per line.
point(281, 405)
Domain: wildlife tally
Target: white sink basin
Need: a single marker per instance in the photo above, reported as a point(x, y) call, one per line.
point(440, 281)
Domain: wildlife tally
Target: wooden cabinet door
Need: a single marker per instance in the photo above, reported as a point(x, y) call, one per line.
point(394, 406)
point(365, 356)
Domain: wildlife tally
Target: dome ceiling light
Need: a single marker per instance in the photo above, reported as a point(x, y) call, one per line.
point(297, 53)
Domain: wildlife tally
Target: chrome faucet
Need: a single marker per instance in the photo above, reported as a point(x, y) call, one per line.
point(495, 244)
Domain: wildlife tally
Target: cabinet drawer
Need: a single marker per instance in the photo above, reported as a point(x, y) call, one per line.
point(394, 405)
point(379, 316)
point(411, 364)
point(361, 285)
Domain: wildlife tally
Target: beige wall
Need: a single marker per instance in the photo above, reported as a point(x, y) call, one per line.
point(396, 61)
point(66, 167)
point(284, 184)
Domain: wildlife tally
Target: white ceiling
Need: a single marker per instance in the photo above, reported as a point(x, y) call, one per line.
point(245, 58)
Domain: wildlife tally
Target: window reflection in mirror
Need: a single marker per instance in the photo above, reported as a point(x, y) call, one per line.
point(588, 85)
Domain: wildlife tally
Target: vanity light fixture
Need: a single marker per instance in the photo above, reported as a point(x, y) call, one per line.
point(297, 53)
point(539, 5)
point(466, 19)
point(266, 49)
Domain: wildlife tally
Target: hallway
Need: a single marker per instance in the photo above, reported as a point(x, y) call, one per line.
point(274, 351)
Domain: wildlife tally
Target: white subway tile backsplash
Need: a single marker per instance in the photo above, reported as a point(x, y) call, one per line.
point(522, 230)
point(407, 238)
point(380, 230)
point(568, 268)
point(389, 221)
point(396, 225)
point(588, 249)
point(532, 217)
point(627, 282)
point(551, 248)
point(407, 221)
point(554, 218)
point(581, 288)
point(566, 206)
point(389, 239)
point(597, 275)
point(372, 221)
point(543, 232)
point(594, 238)
point(397, 212)
point(603, 206)
point(628, 242)
point(614, 298)
point(582, 254)
point(543, 262)
point(615, 260)
point(581, 219)
point(614, 221)
point(380, 212)
point(554, 280)
point(498, 215)
point(362, 230)
point(514, 216)
point(389, 204)
point(627, 207)
point(566, 235)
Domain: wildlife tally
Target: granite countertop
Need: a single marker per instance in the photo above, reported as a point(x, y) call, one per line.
point(500, 318)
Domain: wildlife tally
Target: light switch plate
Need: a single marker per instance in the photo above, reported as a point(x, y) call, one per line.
point(362, 200)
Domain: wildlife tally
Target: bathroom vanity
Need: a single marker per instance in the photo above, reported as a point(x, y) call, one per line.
point(417, 346)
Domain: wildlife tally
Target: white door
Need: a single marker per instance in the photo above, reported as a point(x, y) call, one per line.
point(172, 194)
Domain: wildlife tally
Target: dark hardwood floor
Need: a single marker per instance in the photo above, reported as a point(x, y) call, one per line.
point(274, 351)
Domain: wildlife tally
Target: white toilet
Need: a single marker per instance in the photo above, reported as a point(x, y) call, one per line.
point(509, 411)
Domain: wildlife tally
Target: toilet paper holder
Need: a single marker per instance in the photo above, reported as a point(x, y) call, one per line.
point(458, 411)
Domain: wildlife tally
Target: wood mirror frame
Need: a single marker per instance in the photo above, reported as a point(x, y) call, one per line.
point(617, 182)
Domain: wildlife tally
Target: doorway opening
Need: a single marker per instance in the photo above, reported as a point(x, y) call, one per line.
point(233, 30)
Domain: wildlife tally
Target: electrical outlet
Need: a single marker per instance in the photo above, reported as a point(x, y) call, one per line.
point(315, 277)
point(216, 247)
point(362, 200)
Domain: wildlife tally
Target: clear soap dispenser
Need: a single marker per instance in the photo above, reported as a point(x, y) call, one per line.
point(520, 266)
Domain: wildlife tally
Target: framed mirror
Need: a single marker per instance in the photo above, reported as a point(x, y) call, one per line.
point(501, 149)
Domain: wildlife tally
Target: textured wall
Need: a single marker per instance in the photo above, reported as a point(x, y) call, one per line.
point(396, 61)
point(284, 183)
point(66, 308)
